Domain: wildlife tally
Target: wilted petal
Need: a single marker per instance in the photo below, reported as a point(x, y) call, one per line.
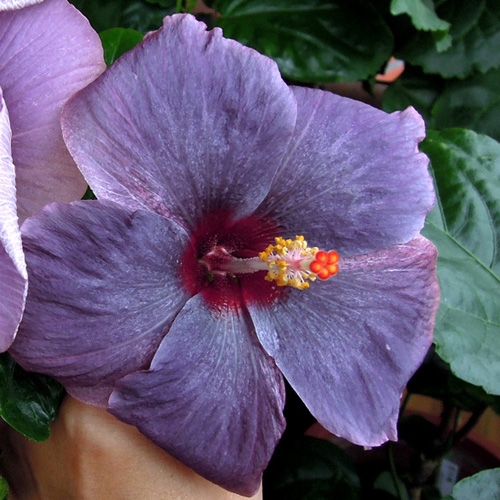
point(185, 123)
point(353, 179)
point(17, 4)
point(13, 278)
point(103, 291)
point(212, 397)
point(348, 346)
point(47, 52)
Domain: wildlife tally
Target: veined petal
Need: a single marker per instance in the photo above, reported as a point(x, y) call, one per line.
point(48, 51)
point(212, 397)
point(104, 289)
point(353, 179)
point(17, 4)
point(184, 124)
point(13, 276)
point(349, 345)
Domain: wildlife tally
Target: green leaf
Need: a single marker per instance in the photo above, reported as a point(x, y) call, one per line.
point(385, 482)
point(413, 88)
point(473, 103)
point(165, 3)
point(422, 14)
point(475, 29)
point(424, 18)
point(4, 489)
point(102, 15)
point(435, 379)
point(135, 14)
point(89, 194)
point(145, 17)
point(465, 227)
point(484, 485)
point(28, 401)
point(311, 40)
point(311, 469)
point(116, 41)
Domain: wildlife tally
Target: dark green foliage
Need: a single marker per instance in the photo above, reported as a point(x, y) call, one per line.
point(28, 401)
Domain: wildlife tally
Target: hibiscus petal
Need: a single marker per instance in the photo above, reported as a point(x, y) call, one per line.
point(17, 4)
point(353, 179)
point(183, 124)
point(47, 52)
point(13, 277)
point(212, 397)
point(104, 289)
point(348, 346)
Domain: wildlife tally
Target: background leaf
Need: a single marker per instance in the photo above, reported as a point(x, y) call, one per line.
point(473, 103)
point(28, 401)
point(435, 379)
point(311, 40)
point(385, 482)
point(482, 486)
point(413, 88)
point(475, 31)
point(424, 17)
point(135, 14)
point(422, 14)
point(4, 489)
point(465, 227)
point(309, 468)
point(116, 41)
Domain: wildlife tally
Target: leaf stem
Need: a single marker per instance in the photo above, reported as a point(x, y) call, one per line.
point(468, 426)
point(395, 478)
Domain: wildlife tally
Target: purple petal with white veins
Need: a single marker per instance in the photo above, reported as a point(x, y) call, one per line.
point(104, 289)
point(16, 4)
point(348, 346)
point(185, 123)
point(212, 397)
point(353, 179)
point(13, 277)
point(48, 52)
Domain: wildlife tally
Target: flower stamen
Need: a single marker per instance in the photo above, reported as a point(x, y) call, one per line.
point(293, 263)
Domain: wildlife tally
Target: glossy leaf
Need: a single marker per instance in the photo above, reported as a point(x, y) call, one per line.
point(413, 88)
point(435, 379)
point(116, 41)
point(102, 15)
point(165, 3)
point(422, 14)
point(311, 469)
point(394, 487)
point(135, 14)
point(472, 103)
point(424, 18)
point(311, 40)
point(4, 489)
point(89, 195)
point(28, 401)
point(465, 227)
point(145, 17)
point(484, 485)
point(475, 31)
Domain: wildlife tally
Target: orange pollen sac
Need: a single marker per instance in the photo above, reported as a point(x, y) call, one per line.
point(325, 264)
point(293, 263)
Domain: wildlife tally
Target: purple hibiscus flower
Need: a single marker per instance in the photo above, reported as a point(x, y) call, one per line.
point(47, 53)
point(165, 300)
point(16, 4)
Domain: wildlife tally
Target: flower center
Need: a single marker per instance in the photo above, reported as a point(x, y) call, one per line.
point(231, 262)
